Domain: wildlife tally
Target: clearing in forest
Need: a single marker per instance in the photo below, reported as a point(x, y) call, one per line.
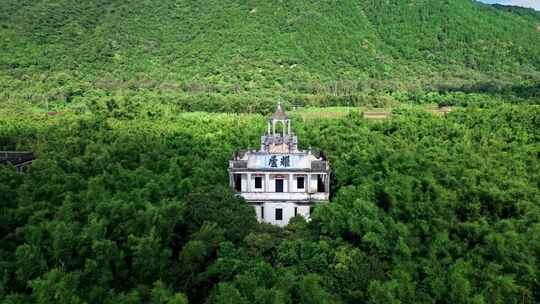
point(309, 113)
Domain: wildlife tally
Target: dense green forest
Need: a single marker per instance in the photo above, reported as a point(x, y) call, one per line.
point(239, 55)
point(131, 209)
point(133, 109)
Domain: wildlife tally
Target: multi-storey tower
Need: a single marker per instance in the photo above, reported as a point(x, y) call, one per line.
point(280, 180)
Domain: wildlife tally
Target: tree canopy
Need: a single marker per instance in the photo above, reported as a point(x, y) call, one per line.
point(137, 209)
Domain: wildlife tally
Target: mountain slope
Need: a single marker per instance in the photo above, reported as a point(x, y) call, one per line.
point(262, 47)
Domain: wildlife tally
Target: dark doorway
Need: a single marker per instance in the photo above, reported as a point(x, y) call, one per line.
point(279, 214)
point(320, 183)
point(238, 182)
point(300, 182)
point(258, 182)
point(279, 185)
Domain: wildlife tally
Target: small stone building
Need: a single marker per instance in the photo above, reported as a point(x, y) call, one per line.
point(279, 180)
point(20, 160)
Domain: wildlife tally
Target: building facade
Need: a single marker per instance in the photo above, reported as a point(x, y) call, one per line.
point(279, 180)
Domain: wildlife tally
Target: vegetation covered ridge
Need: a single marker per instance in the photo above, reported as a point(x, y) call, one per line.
point(236, 55)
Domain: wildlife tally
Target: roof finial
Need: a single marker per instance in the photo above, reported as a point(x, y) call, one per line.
point(279, 114)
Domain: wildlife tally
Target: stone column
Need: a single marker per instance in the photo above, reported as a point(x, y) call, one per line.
point(266, 182)
point(308, 187)
point(289, 127)
point(248, 184)
point(327, 184)
point(290, 182)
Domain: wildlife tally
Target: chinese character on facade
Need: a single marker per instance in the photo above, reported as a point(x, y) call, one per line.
point(285, 161)
point(272, 162)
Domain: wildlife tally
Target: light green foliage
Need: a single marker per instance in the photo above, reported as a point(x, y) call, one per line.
point(237, 56)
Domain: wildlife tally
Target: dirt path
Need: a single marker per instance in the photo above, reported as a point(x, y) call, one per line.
point(377, 115)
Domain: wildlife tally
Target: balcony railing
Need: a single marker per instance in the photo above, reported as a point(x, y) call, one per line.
point(284, 196)
point(15, 158)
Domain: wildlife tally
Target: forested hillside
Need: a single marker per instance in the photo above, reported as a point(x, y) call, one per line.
point(201, 55)
point(133, 109)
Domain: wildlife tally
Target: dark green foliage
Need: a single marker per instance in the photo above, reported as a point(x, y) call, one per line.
point(130, 208)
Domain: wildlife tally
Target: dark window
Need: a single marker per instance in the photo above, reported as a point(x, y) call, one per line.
point(320, 184)
point(258, 182)
point(262, 212)
point(300, 182)
point(295, 211)
point(279, 214)
point(238, 182)
point(279, 185)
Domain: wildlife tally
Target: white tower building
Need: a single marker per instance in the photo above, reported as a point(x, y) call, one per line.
point(279, 180)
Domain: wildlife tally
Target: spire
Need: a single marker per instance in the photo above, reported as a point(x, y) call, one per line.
point(279, 114)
